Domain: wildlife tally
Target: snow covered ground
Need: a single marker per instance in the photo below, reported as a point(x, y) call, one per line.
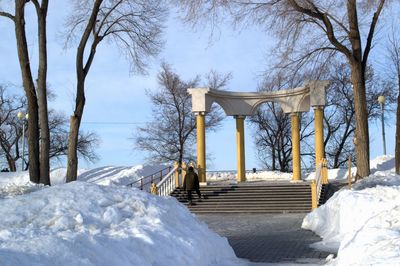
point(83, 223)
point(229, 177)
point(362, 223)
point(100, 221)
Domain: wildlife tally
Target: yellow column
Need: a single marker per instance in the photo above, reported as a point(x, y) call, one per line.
point(319, 135)
point(201, 146)
point(295, 119)
point(319, 141)
point(241, 174)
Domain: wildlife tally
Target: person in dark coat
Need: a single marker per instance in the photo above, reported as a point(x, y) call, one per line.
point(191, 182)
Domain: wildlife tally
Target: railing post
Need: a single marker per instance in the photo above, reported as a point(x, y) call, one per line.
point(324, 171)
point(160, 175)
point(141, 184)
point(314, 196)
point(153, 189)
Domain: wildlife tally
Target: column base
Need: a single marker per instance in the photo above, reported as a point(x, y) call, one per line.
point(203, 184)
point(296, 181)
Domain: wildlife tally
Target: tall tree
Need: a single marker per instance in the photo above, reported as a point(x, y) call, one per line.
point(394, 56)
point(135, 26)
point(170, 136)
point(36, 93)
point(307, 29)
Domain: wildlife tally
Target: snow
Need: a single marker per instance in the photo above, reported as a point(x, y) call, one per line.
point(363, 223)
point(82, 223)
point(117, 175)
point(381, 163)
point(107, 175)
point(99, 221)
point(229, 177)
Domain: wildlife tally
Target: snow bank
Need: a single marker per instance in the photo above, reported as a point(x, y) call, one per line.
point(117, 175)
point(363, 223)
point(381, 163)
point(87, 224)
point(230, 177)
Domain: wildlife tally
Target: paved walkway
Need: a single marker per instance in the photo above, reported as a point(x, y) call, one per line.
point(268, 238)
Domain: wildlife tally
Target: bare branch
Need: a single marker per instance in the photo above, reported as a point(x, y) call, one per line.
point(7, 15)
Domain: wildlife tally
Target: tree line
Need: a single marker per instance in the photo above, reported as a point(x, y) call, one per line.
point(314, 39)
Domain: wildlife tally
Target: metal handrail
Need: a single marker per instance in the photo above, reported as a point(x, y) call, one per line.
point(147, 180)
point(167, 185)
point(318, 180)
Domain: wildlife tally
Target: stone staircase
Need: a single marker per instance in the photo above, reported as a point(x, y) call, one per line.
point(284, 197)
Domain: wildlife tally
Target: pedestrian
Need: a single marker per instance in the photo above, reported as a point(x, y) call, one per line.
point(191, 182)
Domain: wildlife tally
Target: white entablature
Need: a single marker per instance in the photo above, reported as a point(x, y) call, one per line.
point(245, 103)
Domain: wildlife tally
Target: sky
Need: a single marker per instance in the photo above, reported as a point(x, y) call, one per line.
point(116, 101)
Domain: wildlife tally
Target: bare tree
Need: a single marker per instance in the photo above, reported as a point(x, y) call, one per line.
point(307, 30)
point(135, 26)
point(36, 93)
point(10, 127)
point(170, 136)
point(394, 56)
point(11, 133)
point(340, 110)
point(272, 129)
point(87, 141)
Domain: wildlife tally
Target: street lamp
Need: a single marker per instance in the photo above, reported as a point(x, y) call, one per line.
point(24, 118)
point(381, 100)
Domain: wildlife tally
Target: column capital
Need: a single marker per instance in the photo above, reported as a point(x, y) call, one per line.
point(315, 107)
point(239, 116)
point(295, 114)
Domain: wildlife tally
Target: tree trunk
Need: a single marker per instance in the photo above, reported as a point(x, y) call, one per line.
point(81, 73)
point(273, 159)
point(361, 132)
point(11, 164)
point(42, 97)
point(29, 87)
point(397, 149)
point(75, 122)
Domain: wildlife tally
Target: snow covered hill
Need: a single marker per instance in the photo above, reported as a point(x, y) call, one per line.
point(362, 223)
point(82, 223)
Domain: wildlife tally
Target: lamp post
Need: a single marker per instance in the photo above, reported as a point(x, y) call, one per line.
point(24, 118)
point(381, 100)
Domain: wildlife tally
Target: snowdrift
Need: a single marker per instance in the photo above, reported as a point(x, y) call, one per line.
point(363, 223)
point(86, 224)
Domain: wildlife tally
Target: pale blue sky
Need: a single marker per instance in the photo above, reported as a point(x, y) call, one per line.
point(113, 95)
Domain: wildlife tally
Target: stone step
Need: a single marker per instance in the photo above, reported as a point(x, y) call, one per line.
point(255, 206)
point(271, 198)
point(250, 200)
point(240, 193)
point(253, 187)
point(248, 211)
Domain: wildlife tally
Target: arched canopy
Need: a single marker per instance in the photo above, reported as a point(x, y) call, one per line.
point(245, 103)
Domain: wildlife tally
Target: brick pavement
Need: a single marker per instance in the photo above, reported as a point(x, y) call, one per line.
point(268, 238)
